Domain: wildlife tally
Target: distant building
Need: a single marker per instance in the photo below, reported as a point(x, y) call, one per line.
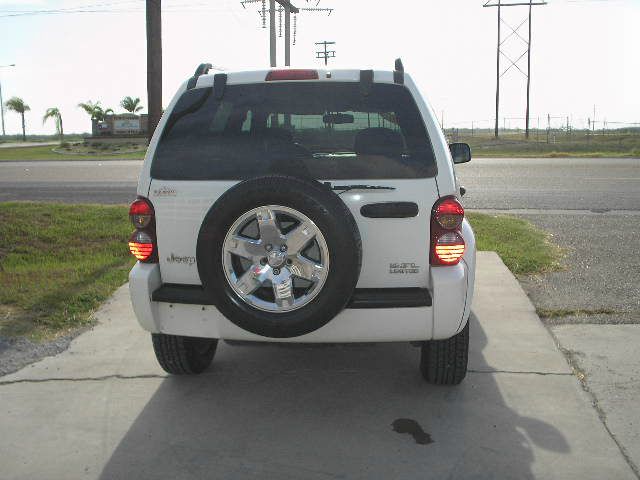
point(121, 125)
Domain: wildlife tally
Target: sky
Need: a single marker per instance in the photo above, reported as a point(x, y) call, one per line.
point(584, 54)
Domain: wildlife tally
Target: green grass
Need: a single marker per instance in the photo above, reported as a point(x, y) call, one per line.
point(57, 264)
point(578, 144)
point(523, 248)
point(47, 153)
point(568, 312)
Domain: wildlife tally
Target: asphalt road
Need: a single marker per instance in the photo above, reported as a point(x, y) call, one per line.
point(552, 183)
point(70, 182)
point(547, 184)
point(592, 209)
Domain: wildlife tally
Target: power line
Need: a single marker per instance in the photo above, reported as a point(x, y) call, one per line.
point(106, 8)
point(77, 9)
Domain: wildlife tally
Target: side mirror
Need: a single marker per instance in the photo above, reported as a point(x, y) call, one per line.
point(460, 152)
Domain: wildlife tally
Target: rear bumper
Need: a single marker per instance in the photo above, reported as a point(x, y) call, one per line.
point(403, 315)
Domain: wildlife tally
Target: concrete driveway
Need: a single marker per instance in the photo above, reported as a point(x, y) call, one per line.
point(104, 409)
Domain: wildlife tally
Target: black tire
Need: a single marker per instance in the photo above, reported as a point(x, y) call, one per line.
point(331, 216)
point(183, 355)
point(444, 362)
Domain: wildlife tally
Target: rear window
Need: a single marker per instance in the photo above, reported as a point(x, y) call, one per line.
point(317, 130)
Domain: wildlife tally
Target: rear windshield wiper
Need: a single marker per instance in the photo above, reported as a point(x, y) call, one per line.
point(346, 188)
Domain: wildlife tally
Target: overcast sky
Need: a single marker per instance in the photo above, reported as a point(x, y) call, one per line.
point(584, 53)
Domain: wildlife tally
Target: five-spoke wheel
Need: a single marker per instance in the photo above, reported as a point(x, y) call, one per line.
point(275, 258)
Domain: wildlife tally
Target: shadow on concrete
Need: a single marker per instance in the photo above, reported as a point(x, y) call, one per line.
point(318, 412)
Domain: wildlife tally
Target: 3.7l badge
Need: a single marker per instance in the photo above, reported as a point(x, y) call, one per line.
point(404, 268)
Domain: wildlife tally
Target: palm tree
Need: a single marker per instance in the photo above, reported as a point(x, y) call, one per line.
point(54, 113)
point(95, 110)
point(131, 104)
point(17, 105)
point(103, 113)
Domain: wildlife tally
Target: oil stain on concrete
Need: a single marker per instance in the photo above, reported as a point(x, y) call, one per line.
point(413, 428)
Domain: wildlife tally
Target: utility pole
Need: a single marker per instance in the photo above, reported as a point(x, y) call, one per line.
point(326, 54)
point(513, 63)
point(154, 64)
point(287, 35)
point(272, 32)
point(288, 8)
point(548, 126)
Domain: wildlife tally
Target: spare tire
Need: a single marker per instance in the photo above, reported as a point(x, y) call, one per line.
point(279, 256)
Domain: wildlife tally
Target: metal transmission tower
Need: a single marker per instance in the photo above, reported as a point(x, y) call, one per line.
point(513, 63)
point(288, 9)
point(326, 54)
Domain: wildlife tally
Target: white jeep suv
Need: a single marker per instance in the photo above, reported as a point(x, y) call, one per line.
point(302, 206)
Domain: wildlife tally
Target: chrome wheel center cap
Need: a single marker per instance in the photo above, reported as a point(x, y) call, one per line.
point(276, 258)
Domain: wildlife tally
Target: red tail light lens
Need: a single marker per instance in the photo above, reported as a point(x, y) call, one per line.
point(141, 213)
point(291, 74)
point(447, 244)
point(449, 213)
point(142, 243)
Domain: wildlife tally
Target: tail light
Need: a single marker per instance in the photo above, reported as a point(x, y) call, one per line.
point(142, 243)
point(447, 244)
point(291, 74)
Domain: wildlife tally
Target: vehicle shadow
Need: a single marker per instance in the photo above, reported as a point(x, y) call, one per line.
point(317, 412)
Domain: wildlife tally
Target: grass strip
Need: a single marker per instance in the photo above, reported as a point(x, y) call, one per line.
point(57, 264)
point(524, 248)
point(18, 154)
point(568, 312)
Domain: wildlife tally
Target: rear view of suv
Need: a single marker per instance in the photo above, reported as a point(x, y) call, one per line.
point(302, 206)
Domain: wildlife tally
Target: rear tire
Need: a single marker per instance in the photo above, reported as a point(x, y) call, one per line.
point(444, 362)
point(180, 355)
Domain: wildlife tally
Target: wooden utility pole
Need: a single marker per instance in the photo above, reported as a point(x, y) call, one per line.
point(272, 32)
point(154, 64)
point(287, 34)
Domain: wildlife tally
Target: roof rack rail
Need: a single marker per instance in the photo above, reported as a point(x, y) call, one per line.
point(398, 72)
point(219, 82)
point(366, 81)
point(202, 69)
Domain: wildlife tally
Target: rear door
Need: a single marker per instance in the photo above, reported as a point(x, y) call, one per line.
point(373, 150)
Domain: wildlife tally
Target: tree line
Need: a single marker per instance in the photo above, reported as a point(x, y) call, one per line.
point(93, 109)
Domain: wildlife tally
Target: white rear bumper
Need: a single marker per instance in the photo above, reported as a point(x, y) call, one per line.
point(351, 325)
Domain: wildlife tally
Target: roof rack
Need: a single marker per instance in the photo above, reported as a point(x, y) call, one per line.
point(202, 69)
point(366, 82)
point(398, 72)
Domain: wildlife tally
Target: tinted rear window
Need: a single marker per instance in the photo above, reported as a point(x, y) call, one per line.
point(318, 130)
